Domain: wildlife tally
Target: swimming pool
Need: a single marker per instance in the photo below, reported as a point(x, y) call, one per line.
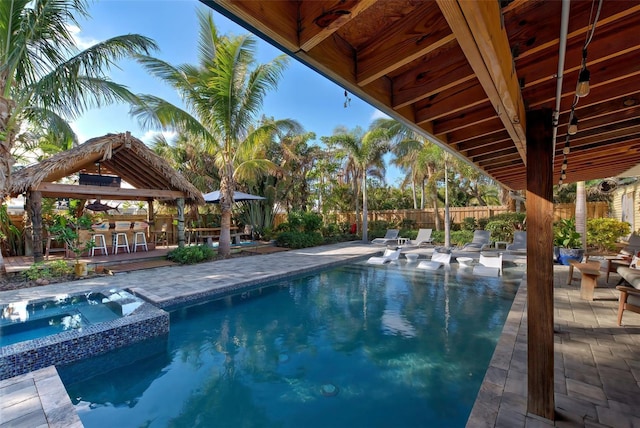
point(351, 346)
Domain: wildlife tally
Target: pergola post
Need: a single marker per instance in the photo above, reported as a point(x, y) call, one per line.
point(180, 205)
point(34, 209)
point(540, 264)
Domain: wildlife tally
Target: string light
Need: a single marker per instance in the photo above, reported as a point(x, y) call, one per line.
point(573, 126)
point(582, 90)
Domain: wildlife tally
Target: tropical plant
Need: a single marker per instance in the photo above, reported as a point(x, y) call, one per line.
point(64, 229)
point(565, 234)
point(223, 95)
point(603, 233)
point(45, 79)
point(365, 153)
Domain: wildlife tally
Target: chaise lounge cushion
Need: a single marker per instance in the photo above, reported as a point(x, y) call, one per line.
point(632, 276)
point(629, 295)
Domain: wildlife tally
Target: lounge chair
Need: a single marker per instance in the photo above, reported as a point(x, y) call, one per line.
point(423, 238)
point(390, 238)
point(437, 260)
point(488, 266)
point(388, 257)
point(481, 240)
point(519, 245)
point(633, 245)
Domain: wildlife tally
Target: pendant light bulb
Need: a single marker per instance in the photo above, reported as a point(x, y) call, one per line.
point(573, 126)
point(582, 89)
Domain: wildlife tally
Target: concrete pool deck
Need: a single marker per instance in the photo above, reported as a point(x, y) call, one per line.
point(597, 365)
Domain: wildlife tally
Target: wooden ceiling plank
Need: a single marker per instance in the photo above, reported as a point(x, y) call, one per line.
point(275, 19)
point(480, 115)
point(406, 40)
point(492, 131)
point(606, 46)
point(450, 102)
point(319, 20)
point(483, 39)
point(603, 85)
point(546, 30)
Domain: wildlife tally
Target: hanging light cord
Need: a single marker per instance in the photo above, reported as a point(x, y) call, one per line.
point(583, 67)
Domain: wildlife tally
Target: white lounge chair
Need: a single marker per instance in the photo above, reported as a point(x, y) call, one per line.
point(423, 238)
point(519, 245)
point(481, 240)
point(437, 260)
point(391, 237)
point(388, 257)
point(488, 266)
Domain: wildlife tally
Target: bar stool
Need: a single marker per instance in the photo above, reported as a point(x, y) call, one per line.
point(99, 243)
point(120, 239)
point(98, 237)
point(140, 232)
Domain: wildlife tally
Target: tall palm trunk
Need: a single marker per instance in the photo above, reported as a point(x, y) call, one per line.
point(365, 224)
point(227, 188)
point(413, 192)
point(581, 212)
point(6, 160)
point(357, 192)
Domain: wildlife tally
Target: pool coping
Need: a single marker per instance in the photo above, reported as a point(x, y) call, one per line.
point(37, 398)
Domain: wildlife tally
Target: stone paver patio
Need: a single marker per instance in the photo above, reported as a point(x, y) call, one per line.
point(597, 364)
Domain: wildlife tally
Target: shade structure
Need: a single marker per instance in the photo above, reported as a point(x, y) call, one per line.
point(214, 197)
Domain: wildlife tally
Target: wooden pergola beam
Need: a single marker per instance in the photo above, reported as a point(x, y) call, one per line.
point(55, 190)
point(483, 39)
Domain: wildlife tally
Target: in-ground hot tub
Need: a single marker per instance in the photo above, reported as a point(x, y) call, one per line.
point(63, 329)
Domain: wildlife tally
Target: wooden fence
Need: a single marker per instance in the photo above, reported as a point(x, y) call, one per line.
point(426, 218)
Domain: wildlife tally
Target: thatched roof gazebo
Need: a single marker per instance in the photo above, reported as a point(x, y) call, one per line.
point(102, 163)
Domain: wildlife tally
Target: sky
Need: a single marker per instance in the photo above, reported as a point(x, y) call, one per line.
point(302, 94)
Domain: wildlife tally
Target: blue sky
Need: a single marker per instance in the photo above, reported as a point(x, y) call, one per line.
point(303, 95)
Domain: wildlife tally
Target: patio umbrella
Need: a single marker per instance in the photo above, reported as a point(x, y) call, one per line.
point(214, 197)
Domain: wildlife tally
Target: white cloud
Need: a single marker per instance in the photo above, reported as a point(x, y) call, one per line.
point(149, 135)
point(81, 42)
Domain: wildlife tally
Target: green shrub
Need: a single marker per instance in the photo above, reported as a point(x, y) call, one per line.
point(482, 223)
point(603, 233)
point(461, 237)
point(191, 255)
point(311, 222)
point(295, 239)
point(48, 270)
point(501, 230)
point(469, 223)
point(517, 219)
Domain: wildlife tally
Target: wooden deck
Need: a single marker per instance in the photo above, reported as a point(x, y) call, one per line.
point(125, 262)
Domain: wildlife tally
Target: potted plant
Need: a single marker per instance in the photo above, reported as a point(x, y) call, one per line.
point(67, 231)
point(567, 241)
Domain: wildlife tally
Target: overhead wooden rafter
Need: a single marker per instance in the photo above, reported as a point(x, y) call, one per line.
point(479, 31)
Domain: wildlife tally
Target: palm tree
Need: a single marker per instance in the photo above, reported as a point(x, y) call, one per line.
point(45, 79)
point(365, 152)
point(223, 95)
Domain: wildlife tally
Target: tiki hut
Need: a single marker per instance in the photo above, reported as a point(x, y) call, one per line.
point(102, 163)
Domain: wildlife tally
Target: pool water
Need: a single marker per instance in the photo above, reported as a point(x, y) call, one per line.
point(21, 321)
point(354, 346)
